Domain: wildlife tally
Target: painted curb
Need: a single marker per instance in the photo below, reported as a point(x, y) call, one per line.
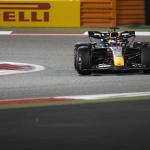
point(49, 33)
point(73, 98)
point(5, 71)
point(34, 100)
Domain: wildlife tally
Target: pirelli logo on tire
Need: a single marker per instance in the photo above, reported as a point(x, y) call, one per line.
point(38, 14)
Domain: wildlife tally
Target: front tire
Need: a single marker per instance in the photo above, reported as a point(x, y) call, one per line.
point(82, 61)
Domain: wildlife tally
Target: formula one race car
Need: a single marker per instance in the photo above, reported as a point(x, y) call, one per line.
point(114, 51)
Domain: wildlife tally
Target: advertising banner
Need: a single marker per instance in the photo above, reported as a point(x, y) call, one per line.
point(53, 13)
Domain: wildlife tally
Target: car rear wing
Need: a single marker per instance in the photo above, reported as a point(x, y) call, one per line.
point(104, 35)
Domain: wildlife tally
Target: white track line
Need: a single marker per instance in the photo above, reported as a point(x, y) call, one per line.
point(5, 32)
point(142, 33)
point(106, 96)
point(60, 34)
point(136, 33)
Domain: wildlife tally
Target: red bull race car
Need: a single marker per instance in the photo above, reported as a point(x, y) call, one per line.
point(113, 51)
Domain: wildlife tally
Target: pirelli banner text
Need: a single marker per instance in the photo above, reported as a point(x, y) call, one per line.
point(52, 13)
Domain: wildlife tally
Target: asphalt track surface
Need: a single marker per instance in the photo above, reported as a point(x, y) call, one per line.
point(114, 125)
point(106, 126)
point(59, 78)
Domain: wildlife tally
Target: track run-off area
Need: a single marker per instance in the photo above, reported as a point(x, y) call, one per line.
point(113, 124)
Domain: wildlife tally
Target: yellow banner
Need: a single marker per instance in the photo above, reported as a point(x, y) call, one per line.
point(52, 13)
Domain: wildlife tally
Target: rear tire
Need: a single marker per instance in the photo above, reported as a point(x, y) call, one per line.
point(145, 58)
point(82, 61)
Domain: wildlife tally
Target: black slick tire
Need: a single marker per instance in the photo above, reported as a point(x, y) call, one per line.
point(145, 58)
point(82, 60)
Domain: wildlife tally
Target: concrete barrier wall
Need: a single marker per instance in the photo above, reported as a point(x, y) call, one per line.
point(98, 13)
point(108, 13)
point(130, 12)
point(39, 13)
